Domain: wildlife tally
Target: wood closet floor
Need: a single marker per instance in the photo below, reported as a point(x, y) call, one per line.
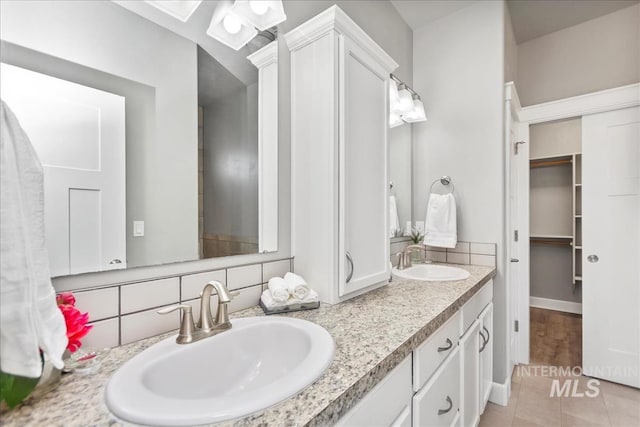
point(556, 338)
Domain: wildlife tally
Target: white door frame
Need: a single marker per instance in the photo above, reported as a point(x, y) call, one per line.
point(596, 102)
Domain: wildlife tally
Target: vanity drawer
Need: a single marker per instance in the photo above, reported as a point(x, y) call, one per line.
point(472, 309)
point(385, 403)
point(438, 403)
point(435, 350)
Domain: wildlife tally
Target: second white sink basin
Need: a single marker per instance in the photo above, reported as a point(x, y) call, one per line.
point(259, 362)
point(432, 273)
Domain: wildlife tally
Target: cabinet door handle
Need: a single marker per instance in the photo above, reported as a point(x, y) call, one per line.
point(487, 331)
point(484, 342)
point(444, 411)
point(448, 347)
point(351, 266)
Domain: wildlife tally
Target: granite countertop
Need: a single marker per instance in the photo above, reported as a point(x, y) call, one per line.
point(373, 333)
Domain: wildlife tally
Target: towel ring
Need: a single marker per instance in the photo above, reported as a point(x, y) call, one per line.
point(445, 181)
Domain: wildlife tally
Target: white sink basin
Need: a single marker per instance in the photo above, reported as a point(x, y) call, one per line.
point(432, 273)
point(259, 362)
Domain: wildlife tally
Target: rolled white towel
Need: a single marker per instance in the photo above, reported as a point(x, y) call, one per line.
point(298, 287)
point(279, 289)
point(268, 301)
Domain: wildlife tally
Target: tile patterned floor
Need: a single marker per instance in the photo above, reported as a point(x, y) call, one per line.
point(556, 340)
point(531, 403)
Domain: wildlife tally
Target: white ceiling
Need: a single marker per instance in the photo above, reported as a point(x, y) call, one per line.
point(530, 18)
point(534, 18)
point(417, 13)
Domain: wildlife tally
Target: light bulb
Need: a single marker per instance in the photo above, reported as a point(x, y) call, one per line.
point(232, 24)
point(405, 102)
point(259, 7)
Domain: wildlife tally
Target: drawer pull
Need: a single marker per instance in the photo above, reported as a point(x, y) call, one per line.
point(448, 347)
point(444, 411)
point(487, 331)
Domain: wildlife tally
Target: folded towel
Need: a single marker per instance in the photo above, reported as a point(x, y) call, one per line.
point(298, 288)
point(440, 224)
point(394, 221)
point(279, 289)
point(269, 302)
point(29, 314)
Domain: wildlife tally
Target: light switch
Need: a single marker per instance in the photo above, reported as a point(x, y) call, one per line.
point(138, 228)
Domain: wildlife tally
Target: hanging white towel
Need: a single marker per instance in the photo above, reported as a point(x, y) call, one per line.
point(440, 224)
point(29, 315)
point(394, 221)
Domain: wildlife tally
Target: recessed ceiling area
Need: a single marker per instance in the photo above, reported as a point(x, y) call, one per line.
point(530, 18)
point(535, 18)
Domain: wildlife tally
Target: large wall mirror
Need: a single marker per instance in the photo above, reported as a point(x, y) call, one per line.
point(158, 143)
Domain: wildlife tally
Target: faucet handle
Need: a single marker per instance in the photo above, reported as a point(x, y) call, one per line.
point(187, 327)
point(401, 261)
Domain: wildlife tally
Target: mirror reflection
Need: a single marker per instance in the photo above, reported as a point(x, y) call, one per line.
point(148, 131)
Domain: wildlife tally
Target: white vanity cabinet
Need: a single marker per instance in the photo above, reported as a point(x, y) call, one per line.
point(476, 354)
point(445, 382)
point(339, 124)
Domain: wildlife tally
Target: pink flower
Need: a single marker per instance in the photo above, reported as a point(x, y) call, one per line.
point(76, 321)
point(66, 298)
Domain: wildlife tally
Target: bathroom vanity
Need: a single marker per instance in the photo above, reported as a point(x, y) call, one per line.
point(379, 337)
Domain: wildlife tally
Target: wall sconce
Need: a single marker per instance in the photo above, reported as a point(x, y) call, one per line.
point(235, 25)
point(405, 105)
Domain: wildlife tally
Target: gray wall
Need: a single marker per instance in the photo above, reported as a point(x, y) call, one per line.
point(599, 54)
point(459, 66)
point(162, 170)
point(510, 50)
point(231, 164)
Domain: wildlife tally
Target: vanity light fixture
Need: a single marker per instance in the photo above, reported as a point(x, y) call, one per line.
point(417, 114)
point(179, 9)
point(235, 24)
point(262, 14)
point(405, 101)
point(405, 105)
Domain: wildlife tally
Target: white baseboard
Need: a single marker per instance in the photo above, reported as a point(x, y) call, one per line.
point(557, 305)
point(500, 392)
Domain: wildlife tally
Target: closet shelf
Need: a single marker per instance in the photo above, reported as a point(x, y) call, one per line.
point(578, 278)
point(550, 236)
point(550, 162)
point(579, 247)
point(578, 185)
point(552, 240)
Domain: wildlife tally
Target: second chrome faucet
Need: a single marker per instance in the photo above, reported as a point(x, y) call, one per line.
point(206, 326)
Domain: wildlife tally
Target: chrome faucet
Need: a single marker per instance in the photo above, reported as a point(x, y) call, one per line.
point(206, 326)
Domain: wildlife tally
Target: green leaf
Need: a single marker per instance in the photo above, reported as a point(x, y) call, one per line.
point(14, 388)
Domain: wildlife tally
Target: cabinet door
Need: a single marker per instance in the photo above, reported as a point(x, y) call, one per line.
point(470, 381)
point(438, 402)
point(363, 172)
point(486, 355)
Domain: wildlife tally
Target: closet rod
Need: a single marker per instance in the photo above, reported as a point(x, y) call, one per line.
point(540, 164)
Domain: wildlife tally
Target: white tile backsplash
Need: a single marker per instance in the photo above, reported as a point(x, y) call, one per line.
point(457, 258)
point(105, 333)
point(437, 256)
point(275, 269)
point(241, 277)
point(483, 248)
point(141, 296)
point(461, 247)
point(124, 313)
point(193, 284)
point(134, 327)
point(488, 260)
point(99, 303)
point(248, 297)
